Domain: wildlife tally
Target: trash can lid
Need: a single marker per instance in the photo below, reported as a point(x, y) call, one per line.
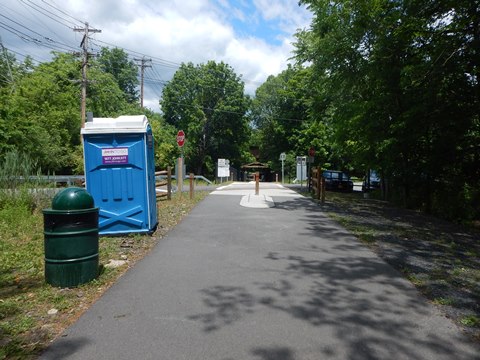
point(72, 198)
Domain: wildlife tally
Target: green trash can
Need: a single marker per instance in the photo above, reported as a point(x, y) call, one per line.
point(71, 238)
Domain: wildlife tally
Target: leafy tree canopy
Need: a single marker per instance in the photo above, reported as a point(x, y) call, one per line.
point(207, 101)
point(115, 61)
point(402, 88)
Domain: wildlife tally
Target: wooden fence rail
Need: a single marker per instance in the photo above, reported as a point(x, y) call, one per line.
point(167, 182)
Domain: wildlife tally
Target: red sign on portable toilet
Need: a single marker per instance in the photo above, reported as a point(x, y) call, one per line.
point(180, 138)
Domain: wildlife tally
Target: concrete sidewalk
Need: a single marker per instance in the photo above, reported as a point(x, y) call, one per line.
point(281, 283)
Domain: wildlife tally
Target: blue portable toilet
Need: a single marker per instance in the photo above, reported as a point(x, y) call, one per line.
point(120, 173)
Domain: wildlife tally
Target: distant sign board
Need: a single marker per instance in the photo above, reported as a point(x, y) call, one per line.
point(223, 168)
point(301, 168)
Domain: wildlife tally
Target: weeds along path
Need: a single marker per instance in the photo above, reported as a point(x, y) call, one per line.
point(33, 313)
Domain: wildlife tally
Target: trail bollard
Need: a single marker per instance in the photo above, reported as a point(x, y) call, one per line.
point(257, 183)
point(169, 183)
point(191, 186)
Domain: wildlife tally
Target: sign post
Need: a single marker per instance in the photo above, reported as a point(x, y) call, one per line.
point(301, 170)
point(283, 157)
point(311, 158)
point(180, 143)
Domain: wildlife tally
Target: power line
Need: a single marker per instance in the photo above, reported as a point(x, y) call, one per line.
point(45, 12)
point(154, 61)
point(51, 44)
point(61, 11)
point(228, 111)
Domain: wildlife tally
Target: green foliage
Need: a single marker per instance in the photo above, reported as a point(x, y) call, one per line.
point(41, 117)
point(207, 102)
point(15, 169)
point(39, 107)
point(400, 81)
point(285, 118)
point(166, 149)
point(471, 321)
point(17, 184)
point(115, 62)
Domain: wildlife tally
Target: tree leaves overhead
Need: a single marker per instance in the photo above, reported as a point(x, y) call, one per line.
point(287, 118)
point(403, 80)
point(115, 61)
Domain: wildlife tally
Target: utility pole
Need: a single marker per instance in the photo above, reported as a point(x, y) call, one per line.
point(143, 65)
point(5, 54)
point(84, 45)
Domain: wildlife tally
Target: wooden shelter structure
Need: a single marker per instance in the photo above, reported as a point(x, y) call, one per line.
point(249, 169)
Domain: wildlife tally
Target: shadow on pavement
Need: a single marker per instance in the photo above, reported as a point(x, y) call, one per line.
point(374, 312)
point(63, 349)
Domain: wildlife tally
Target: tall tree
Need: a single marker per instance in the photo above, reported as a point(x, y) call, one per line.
point(207, 101)
point(404, 80)
point(40, 116)
point(281, 113)
point(115, 61)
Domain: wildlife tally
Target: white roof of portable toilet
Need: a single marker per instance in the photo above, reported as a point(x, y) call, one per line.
point(121, 124)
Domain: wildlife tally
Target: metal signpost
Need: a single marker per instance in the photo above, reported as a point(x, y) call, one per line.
point(283, 157)
point(180, 143)
point(301, 173)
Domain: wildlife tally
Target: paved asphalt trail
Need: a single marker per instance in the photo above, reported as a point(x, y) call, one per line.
point(285, 283)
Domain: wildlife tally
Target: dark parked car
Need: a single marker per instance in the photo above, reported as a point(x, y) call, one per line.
point(371, 183)
point(337, 180)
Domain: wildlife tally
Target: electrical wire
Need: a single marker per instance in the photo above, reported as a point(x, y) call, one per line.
point(46, 13)
point(55, 6)
point(156, 61)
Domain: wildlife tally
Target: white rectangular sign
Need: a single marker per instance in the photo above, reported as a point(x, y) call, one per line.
point(223, 172)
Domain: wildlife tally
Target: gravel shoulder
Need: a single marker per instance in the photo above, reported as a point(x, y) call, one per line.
point(440, 258)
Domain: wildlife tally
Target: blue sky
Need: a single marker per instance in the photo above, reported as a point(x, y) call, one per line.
point(253, 36)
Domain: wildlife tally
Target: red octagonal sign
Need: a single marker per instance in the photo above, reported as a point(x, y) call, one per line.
point(180, 138)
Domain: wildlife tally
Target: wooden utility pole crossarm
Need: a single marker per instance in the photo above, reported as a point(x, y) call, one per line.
point(84, 45)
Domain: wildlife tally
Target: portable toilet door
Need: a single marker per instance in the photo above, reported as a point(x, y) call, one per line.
point(120, 173)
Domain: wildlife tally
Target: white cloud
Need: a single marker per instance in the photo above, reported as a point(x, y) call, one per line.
point(289, 14)
point(182, 31)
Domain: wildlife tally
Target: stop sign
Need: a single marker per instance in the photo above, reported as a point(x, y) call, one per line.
point(180, 138)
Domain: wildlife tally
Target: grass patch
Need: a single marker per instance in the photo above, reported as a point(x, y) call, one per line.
point(470, 321)
point(365, 234)
point(26, 325)
point(444, 301)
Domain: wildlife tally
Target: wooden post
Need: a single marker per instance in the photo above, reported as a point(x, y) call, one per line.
point(191, 186)
point(323, 189)
point(169, 183)
point(257, 183)
point(319, 183)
